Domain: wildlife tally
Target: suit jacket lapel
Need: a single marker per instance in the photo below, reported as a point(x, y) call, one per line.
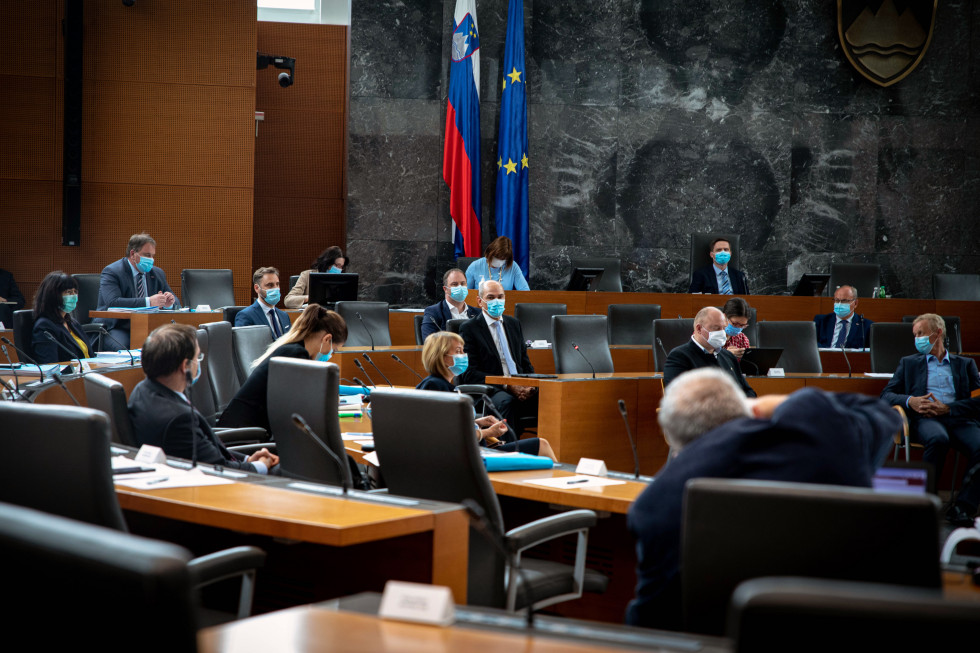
point(958, 376)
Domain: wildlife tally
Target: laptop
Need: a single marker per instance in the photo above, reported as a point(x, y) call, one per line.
point(756, 361)
point(915, 477)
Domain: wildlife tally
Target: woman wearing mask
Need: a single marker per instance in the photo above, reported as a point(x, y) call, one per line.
point(55, 300)
point(737, 311)
point(331, 260)
point(497, 264)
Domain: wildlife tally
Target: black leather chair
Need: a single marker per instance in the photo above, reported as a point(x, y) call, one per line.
point(109, 396)
point(612, 276)
point(735, 530)
point(866, 277)
point(953, 341)
point(144, 584)
point(203, 396)
point(700, 247)
point(427, 447)
point(631, 324)
point(24, 331)
point(956, 287)
point(212, 287)
point(799, 343)
point(248, 343)
point(63, 467)
point(220, 361)
point(890, 342)
point(464, 262)
point(776, 614)
point(292, 281)
point(371, 328)
point(453, 325)
point(417, 320)
point(299, 456)
point(670, 333)
point(589, 333)
point(228, 313)
point(535, 319)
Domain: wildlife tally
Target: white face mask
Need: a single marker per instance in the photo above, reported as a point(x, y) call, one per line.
point(496, 263)
point(717, 339)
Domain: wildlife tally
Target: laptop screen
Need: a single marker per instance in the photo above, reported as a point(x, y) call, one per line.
point(906, 478)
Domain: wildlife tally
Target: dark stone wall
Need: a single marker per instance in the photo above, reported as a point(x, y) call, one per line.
point(651, 119)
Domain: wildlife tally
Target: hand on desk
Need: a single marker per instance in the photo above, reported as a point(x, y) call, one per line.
point(928, 405)
point(162, 299)
point(265, 457)
point(522, 392)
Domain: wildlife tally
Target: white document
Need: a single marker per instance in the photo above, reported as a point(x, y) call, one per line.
point(879, 375)
point(163, 477)
point(372, 458)
point(357, 436)
point(576, 482)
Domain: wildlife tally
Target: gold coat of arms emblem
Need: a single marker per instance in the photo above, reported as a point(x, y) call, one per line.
point(885, 40)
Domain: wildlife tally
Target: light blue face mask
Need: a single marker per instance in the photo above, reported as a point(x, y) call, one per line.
point(495, 307)
point(145, 264)
point(323, 358)
point(460, 364)
point(68, 303)
point(721, 258)
point(732, 330)
point(458, 293)
point(197, 375)
point(334, 270)
point(272, 296)
point(923, 344)
point(843, 309)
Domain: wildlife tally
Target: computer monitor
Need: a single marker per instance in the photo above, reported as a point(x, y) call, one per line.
point(913, 477)
point(811, 285)
point(585, 278)
point(326, 288)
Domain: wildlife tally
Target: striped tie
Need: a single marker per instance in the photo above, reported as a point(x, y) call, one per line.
point(842, 338)
point(726, 284)
point(140, 285)
point(276, 329)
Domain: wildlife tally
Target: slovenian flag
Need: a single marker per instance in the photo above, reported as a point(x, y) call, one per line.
point(461, 157)
point(512, 162)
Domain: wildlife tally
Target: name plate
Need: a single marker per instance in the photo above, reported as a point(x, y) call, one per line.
point(150, 455)
point(426, 604)
point(776, 371)
point(203, 308)
point(592, 467)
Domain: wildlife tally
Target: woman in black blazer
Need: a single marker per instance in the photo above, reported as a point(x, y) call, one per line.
point(55, 300)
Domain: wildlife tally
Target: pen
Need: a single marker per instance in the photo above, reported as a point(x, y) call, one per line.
point(581, 480)
point(158, 480)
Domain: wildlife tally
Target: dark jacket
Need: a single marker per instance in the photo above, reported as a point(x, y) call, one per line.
point(704, 280)
point(484, 360)
point(249, 407)
point(255, 314)
point(438, 314)
point(10, 291)
point(118, 289)
point(857, 337)
point(433, 382)
point(690, 357)
point(46, 351)
point(912, 376)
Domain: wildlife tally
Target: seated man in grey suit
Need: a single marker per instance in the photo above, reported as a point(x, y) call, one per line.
point(133, 282)
point(706, 348)
point(265, 282)
point(453, 307)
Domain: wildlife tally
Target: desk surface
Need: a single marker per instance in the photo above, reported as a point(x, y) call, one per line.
point(611, 498)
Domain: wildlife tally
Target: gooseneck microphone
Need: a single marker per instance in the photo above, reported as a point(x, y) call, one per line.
point(301, 424)
point(23, 354)
point(13, 368)
point(12, 389)
point(584, 357)
point(746, 360)
point(959, 343)
point(57, 377)
point(364, 326)
point(50, 336)
point(132, 359)
point(406, 366)
point(357, 363)
point(368, 359)
point(660, 343)
point(361, 383)
point(843, 351)
point(629, 434)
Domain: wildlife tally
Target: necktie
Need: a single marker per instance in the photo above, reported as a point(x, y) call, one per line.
point(842, 336)
point(140, 285)
point(276, 329)
point(726, 284)
point(511, 367)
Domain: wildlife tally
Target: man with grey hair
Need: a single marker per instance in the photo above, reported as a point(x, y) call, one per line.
point(810, 436)
point(844, 327)
point(706, 348)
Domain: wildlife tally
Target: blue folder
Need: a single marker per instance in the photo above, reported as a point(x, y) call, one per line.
point(515, 462)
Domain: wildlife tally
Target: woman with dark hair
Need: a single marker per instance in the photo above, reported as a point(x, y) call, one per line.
point(331, 259)
point(737, 310)
point(497, 264)
point(55, 300)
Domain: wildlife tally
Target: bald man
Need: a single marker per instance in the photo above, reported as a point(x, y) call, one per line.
point(706, 348)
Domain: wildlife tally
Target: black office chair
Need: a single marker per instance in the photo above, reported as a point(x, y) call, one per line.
point(956, 287)
point(299, 456)
point(776, 614)
point(589, 333)
point(631, 324)
point(454, 324)
point(94, 572)
point(448, 467)
point(292, 281)
point(63, 467)
point(372, 326)
point(229, 313)
point(799, 343)
point(24, 331)
point(701, 246)
point(890, 342)
point(417, 320)
point(212, 287)
point(109, 396)
point(220, 361)
point(866, 277)
point(612, 276)
point(535, 319)
point(203, 395)
point(88, 300)
point(734, 530)
point(249, 343)
point(952, 341)
point(671, 334)
point(464, 262)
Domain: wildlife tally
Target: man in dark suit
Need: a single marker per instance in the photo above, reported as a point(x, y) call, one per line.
point(163, 417)
point(706, 348)
point(934, 388)
point(495, 345)
point(452, 308)
point(265, 282)
point(719, 278)
point(844, 327)
point(810, 436)
point(133, 282)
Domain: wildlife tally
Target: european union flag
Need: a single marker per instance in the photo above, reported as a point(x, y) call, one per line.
point(512, 157)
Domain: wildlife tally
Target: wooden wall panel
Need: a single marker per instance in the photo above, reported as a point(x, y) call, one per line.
point(29, 35)
point(29, 127)
point(279, 236)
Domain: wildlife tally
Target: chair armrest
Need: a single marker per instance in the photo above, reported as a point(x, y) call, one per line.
point(243, 435)
point(474, 389)
point(249, 449)
point(542, 530)
point(225, 564)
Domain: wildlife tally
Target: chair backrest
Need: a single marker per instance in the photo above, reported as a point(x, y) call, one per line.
point(201, 393)
point(890, 342)
point(292, 281)
point(631, 324)
point(94, 572)
point(812, 614)
point(212, 287)
point(671, 333)
point(962, 287)
point(419, 317)
point(701, 244)
point(799, 343)
point(589, 333)
point(734, 530)
point(248, 343)
point(221, 364)
point(109, 396)
point(953, 340)
point(464, 262)
point(453, 325)
point(535, 319)
point(229, 313)
point(62, 464)
point(612, 276)
point(88, 296)
point(300, 457)
point(373, 323)
point(866, 277)
point(24, 331)
point(426, 444)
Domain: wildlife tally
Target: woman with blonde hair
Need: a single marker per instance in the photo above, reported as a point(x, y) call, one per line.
point(497, 264)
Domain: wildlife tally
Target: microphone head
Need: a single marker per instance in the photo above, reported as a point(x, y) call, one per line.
point(659, 341)
point(574, 346)
point(396, 358)
point(4, 338)
point(357, 364)
point(47, 334)
point(622, 406)
point(358, 314)
point(299, 421)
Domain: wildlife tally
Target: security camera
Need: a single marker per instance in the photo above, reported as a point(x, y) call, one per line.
point(285, 80)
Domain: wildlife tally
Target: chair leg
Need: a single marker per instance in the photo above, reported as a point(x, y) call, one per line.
point(953, 482)
point(245, 597)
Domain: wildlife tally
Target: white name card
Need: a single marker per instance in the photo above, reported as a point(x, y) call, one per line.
point(150, 455)
point(776, 371)
point(203, 308)
point(592, 467)
point(427, 604)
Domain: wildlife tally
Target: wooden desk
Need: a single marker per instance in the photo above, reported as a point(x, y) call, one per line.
point(611, 498)
point(142, 324)
point(395, 372)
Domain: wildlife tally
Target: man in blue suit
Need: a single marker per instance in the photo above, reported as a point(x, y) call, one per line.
point(133, 282)
point(719, 278)
point(265, 282)
point(844, 327)
point(453, 307)
point(934, 388)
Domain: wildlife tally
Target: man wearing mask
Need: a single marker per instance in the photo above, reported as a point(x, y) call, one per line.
point(844, 327)
point(719, 278)
point(934, 388)
point(133, 282)
point(706, 349)
point(452, 308)
point(265, 282)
